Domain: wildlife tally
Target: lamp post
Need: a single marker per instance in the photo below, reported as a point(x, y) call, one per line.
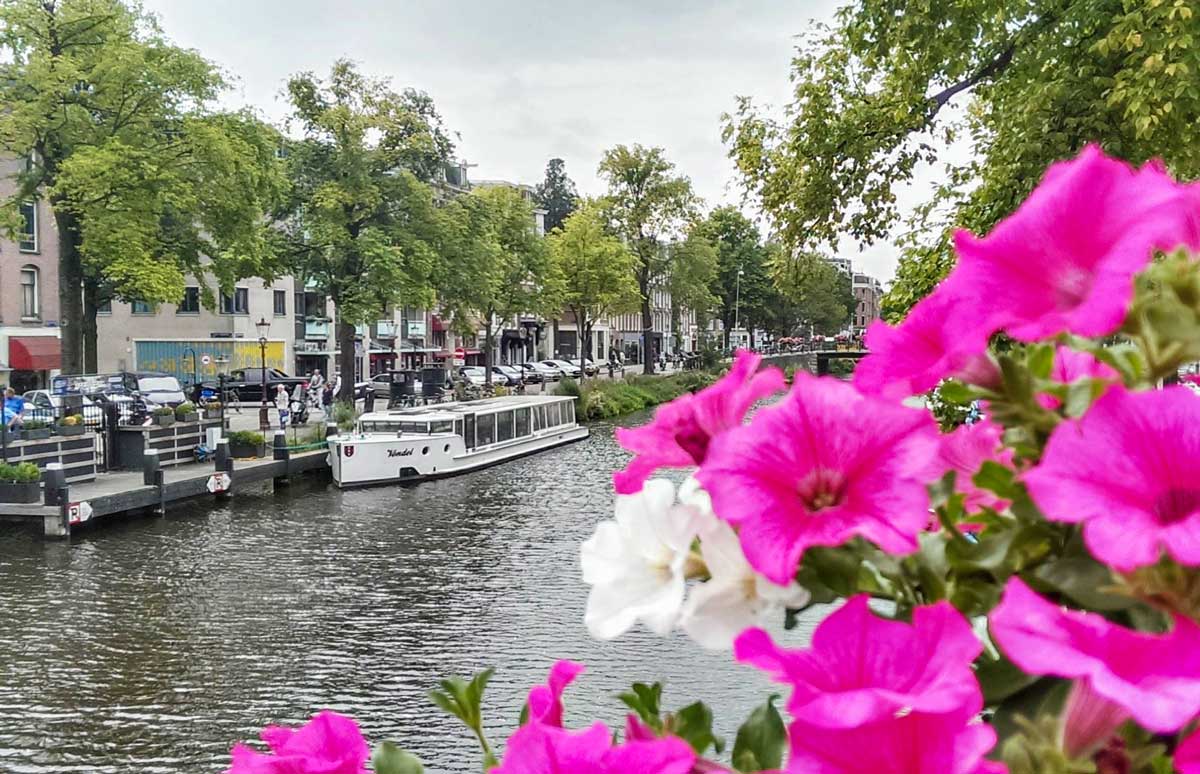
point(264, 419)
point(737, 300)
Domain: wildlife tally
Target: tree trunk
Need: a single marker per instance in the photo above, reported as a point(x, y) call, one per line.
point(647, 331)
point(91, 300)
point(346, 357)
point(70, 295)
point(487, 351)
point(581, 325)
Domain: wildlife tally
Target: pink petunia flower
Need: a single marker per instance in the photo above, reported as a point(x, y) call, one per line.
point(1065, 260)
point(545, 701)
point(964, 451)
point(1154, 678)
point(539, 749)
point(863, 669)
point(944, 336)
point(1187, 756)
point(1129, 470)
point(915, 743)
point(328, 743)
point(818, 468)
point(1070, 366)
point(680, 434)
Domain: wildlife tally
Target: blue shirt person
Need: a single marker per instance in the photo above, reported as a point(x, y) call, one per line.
point(14, 407)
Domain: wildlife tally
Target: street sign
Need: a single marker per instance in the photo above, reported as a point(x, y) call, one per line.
point(79, 512)
point(218, 482)
point(205, 359)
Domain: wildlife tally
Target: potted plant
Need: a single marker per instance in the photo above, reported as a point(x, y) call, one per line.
point(34, 430)
point(212, 408)
point(20, 483)
point(71, 425)
point(186, 412)
point(164, 416)
point(246, 443)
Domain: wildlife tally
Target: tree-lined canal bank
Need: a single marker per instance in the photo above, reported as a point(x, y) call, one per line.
point(152, 645)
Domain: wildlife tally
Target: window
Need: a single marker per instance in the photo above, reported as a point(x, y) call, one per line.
point(141, 307)
point(522, 422)
point(238, 303)
point(485, 429)
point(104, 307)
point(190, 304)
point(552, 415)
point(31, 302)
point(28, 242)
point(280, 303)
point(504, 426)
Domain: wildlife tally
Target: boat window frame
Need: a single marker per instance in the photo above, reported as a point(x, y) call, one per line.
point(481, 421)
point(439, 426)
point(469, 431)
point(410, 427)
point(522, 416)
point(505, 426)
point(553, 415)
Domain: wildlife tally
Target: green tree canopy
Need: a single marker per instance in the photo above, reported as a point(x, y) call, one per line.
point(361, 223)
point(144, 177)
point(495, 264)
point(1023, 82)
point(592, 271)
point(556, 194)
point(815, 296)
point(647, 205)
point(690, 274)
point(750, 300)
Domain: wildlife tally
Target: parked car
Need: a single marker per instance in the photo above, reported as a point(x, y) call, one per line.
point(589, 366)
point(568, 369)
point(506, 375)
point(529, 375)
point(249, 383)
point(44, 405)
point(473, 374)
point(160, 390)
point(549, 373)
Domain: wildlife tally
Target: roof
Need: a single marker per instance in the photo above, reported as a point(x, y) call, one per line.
point(440, 411)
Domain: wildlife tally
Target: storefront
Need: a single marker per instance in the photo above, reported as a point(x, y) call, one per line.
point(31, 359)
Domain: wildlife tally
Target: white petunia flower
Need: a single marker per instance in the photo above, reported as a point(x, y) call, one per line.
point(735, 598)
point(637, 563)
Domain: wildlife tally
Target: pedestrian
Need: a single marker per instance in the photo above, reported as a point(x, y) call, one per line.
point(14, 409)
point(337, 385)
point(281, 404)
point(316, 385)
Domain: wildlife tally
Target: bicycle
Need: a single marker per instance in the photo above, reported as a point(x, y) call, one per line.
point(230, 399)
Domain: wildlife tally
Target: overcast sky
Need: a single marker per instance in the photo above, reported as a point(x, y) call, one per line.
point(523, 82)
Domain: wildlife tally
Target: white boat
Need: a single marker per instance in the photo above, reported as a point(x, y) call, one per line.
point(450, 438)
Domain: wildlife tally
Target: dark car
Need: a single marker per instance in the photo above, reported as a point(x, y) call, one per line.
point(506, 375)
point(248, 383)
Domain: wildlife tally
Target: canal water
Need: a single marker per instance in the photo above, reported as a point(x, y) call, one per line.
point(152, 645)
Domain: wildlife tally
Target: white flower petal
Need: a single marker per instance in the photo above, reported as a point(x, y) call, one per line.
point(605, 555)
point(722, 553)
point(791, 595)
point(716, 612)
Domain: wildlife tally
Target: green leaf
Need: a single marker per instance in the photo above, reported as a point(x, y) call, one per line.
point(646, 701)
point(953, 391)
point(761, 740)
point(693, 724)
point(390, 759)
point(1085, 581)
point(1039, 360)
point(997, 478)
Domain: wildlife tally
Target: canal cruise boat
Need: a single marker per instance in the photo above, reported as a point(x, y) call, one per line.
point(446, 439)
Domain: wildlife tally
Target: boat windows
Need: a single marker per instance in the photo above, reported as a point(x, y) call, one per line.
point(522, 416)
point(539, 418)
point(421, 428)
point(568, 412)
point(552, 414)
point(469, 431)
point(485, 429)
point(458, 427)
point(380, 427)
point(504, 426)
point(443, 426)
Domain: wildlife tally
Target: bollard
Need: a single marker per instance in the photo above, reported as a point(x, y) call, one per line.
point(331, 429)
point(149, 466)
point(58, 525)
point(160, 481)
point(279, 446)
point(53, 478)
point(221, 456)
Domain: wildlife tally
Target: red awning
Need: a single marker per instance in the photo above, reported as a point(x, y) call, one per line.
point(34, 353)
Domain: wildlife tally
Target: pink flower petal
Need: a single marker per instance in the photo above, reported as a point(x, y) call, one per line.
point(682, 430)
point(862, 669)
point(1070, 366)
point(1129, 469)
point(1187, 757)
point(964, 451)
point(328, 744)
point(818, 468)
point(545, 701)
point(1155, 678)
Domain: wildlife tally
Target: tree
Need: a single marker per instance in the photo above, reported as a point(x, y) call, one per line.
point(691, 272)
point(1024, 83)
point(592, 271)
point(147, 183)
point(361, 223)
point(646, 203)
point(557, 194)
point(495, 264)
point(749, 300)
point(813, 291)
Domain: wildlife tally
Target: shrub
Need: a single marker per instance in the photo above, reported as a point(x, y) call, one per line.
point(71, 420)
point(34, 424)
point(344, 414)
point(567, 387)
point(23, 473)
point(187, 407)
point(163, 411)
point(246, 438)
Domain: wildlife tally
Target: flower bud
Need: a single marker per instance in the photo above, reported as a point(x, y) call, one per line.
point(1089, 721)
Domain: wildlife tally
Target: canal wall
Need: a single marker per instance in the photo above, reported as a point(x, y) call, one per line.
point(797, 361)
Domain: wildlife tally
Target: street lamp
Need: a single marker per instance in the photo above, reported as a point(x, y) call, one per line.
point(737, 300)
point(264, 419)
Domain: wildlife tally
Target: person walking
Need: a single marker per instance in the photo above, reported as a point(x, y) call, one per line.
point(281, 404)
point(316, 385)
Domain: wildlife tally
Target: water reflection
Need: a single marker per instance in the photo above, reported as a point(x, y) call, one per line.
point(153, 645)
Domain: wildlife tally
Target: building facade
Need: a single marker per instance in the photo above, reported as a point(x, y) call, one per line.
point(30, 346)
point(868, 301)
